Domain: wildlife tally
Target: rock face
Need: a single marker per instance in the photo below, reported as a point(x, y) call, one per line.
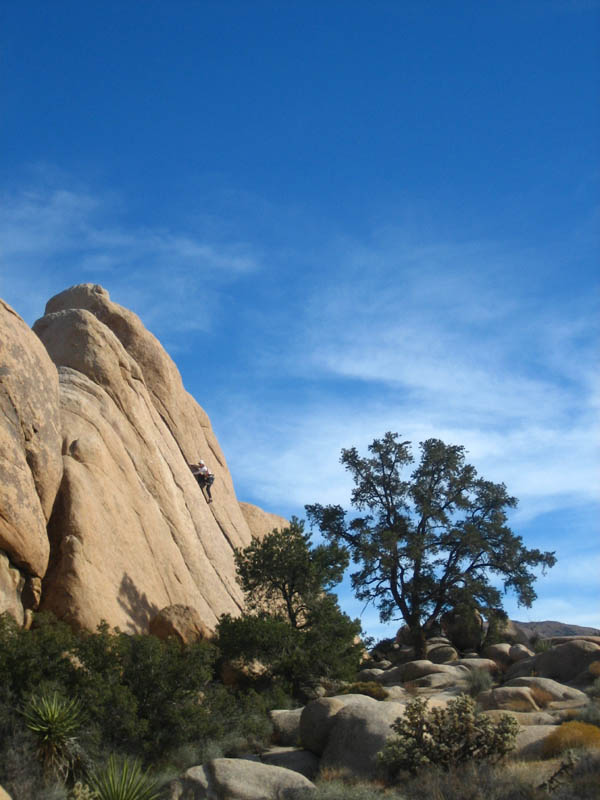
point(130, 531)
point(30, 460)
point(180, 622)
point(261, 522)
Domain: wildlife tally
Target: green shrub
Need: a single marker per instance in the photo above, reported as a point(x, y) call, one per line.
point(325, 648)
point(32, 658)
point(53, 720)
point(445, 737)
point(570, 735)
point(476, 781)
point(370, 688)
point(589, 714)
point(123, 780)
point(479, 680)
point(594, 689)
point(584, 781)
point(541, 645)
point(337, 789)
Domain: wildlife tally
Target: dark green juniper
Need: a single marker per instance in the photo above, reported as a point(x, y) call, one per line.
point(429, 541)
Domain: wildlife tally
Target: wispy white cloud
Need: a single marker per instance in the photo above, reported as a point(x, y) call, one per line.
point(53, 236)
point(453, 341)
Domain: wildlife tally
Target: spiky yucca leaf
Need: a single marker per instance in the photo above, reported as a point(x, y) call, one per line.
point(53, 720)
point(123, 780)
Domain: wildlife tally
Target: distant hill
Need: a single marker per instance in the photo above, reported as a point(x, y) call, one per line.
point(549, 628)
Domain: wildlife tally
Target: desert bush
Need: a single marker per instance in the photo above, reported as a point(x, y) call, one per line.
point(541, 645)
point(370, 688)
point(570, 735)
point(479, 680)
point(445, 737)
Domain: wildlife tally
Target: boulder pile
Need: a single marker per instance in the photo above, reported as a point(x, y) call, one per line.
point(343, 733)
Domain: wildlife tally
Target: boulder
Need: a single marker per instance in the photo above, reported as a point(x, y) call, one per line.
point(262, 522)
point(128, 497)
point(286, 726)
point(414, 670)
point(566, 661)
point(371, 674)
point(500, 653)
point(441, 680)
point(317, 716)
point(302, 761)
point(526, 666)
point(358, 733)
point(545, 690)
point(316, 722)
point(397, 694)
point(477, 663)
point(11, 587)
point(442, 653)
point(510, 698)
point(179, 621)
point(237, 779)
point(30, 452)
point(518, 652)
point(530, 742)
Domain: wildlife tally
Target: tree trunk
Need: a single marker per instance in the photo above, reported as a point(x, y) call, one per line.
point(419, 642)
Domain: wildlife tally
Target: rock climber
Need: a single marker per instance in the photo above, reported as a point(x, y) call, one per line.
point(204, 477)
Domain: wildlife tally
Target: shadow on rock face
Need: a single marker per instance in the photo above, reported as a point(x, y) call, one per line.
point(136, 604)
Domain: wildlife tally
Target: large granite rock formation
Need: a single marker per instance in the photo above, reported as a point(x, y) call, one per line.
point(30, 460)
point(96, 494)
point(131, 531)
point(262, 522)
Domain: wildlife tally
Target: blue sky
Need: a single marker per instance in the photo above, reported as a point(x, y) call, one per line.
point(340, 218)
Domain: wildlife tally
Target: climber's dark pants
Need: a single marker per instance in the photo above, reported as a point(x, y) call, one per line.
point(205, 482)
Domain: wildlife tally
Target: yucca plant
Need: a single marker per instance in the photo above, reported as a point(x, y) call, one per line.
point(123, 780)
point(54, 720)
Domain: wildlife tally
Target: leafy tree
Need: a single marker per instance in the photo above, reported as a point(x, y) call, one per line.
point(283, 572)
point(431, 541)
point(294, 625)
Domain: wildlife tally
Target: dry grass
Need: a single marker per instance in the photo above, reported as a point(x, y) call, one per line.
point(571, 735)
point(594, 669)
point(542, 697)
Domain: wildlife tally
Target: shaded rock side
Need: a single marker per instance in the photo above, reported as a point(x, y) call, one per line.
point(262, 522)
point(30, 460)
point(131, 531)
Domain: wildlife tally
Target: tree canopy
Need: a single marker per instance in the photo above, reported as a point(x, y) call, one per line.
point(429, 541)
point(293, 623)
point(282, 573)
